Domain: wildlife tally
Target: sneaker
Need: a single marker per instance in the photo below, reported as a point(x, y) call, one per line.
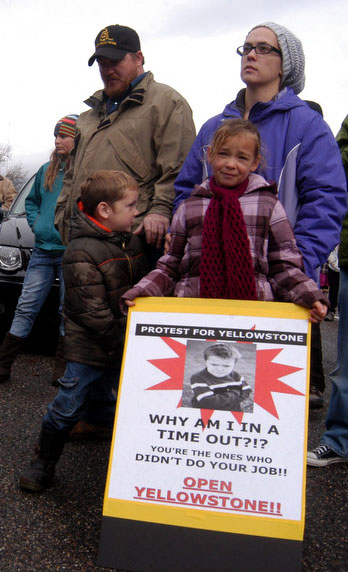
point(316, 400)
point(323, 456)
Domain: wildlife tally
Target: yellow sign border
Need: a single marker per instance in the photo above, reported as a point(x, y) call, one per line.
point(204, 519)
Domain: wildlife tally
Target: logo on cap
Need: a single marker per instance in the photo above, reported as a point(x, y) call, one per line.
point(105, 39)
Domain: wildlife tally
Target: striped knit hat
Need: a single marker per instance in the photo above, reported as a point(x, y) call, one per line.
point(293, 56)
point(66, 126)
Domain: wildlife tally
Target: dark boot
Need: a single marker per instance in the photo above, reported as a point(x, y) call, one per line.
point(39, 474)
point(59, 362)
point(8, 352)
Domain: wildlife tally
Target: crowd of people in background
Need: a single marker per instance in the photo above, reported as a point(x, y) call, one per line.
point(7, 193)
point(103, 205)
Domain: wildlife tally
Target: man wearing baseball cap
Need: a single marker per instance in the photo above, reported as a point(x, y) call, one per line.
point(135, 125)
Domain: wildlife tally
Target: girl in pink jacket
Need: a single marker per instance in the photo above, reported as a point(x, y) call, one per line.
point(231, 239)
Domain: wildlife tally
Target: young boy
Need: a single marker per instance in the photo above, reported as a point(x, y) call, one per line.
point(103, 259)
point(218, 386)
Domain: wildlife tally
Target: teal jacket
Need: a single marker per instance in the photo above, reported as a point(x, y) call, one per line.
point(40, 206)
point(342, 140)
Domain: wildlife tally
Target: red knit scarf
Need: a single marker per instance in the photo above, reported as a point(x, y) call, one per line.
point(226, 269)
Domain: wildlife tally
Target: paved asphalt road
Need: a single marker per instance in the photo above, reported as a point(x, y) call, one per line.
point(59, 530)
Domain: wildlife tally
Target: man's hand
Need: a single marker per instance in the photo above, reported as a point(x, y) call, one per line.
point(155, 227)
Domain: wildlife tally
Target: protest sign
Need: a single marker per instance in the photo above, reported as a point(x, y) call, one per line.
point(206, 458)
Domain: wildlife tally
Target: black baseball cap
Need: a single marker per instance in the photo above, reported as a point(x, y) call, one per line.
point(115, 42)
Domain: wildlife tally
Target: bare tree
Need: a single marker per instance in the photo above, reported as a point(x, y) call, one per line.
point(5, 152)
point(14, 171)
point(17, 175)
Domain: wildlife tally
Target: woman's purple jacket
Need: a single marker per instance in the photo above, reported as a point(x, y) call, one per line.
point(301, 156)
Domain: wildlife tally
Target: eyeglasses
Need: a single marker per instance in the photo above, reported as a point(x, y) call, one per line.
point(260, 49)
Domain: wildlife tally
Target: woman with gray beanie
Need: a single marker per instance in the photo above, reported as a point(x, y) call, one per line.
point(301, 154)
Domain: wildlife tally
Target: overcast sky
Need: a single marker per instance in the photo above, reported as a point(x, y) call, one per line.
point(188, 44)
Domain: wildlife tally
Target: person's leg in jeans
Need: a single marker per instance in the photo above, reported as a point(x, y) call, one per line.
point(62, 414)
point(102, 401)
point(333, 446)
point(39, 278)
point(336, 435)
point(71, 401)
point(97, 419)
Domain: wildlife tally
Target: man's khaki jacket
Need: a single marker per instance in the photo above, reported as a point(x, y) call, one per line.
point(148, 137)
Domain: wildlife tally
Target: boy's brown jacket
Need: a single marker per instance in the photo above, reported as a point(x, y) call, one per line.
point(98, 267)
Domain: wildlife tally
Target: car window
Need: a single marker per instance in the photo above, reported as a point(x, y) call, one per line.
point(18, 205)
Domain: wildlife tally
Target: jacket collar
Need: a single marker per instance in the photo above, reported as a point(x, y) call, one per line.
point(285, 99)
point(98, 101)
point(83, 225)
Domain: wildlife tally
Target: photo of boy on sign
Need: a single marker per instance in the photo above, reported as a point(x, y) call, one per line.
point(219, 385)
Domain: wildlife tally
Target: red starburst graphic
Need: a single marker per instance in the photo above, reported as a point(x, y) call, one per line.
point(267, 377)
point(173, 367)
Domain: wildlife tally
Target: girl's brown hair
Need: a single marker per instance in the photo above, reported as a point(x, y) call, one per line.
point(53, 169)
point(105, 186)
point(231, 128)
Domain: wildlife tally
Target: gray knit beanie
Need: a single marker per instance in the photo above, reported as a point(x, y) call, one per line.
point(293, 56)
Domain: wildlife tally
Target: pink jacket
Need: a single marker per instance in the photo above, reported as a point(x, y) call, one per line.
point(276, 259)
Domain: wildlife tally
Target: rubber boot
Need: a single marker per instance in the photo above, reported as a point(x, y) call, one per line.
point(8, 352)
point(38, 476)
point(59, 362)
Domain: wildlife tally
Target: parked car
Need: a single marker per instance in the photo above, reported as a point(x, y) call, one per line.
point(16, 246)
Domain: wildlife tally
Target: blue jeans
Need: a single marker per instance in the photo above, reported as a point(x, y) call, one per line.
point(42, 270)
point(336, 435)
point(84, 392)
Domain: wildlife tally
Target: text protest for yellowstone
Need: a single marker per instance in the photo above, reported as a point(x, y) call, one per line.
point(261, 336)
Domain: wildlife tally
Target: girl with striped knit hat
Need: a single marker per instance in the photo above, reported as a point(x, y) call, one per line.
point(46, 260)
